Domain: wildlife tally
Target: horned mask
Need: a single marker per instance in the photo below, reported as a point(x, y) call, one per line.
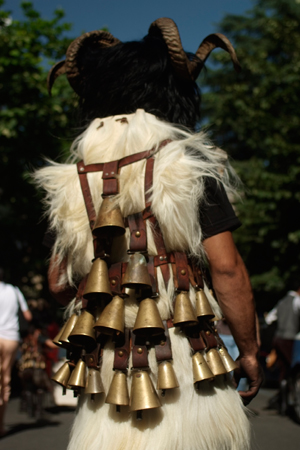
point(166, 29)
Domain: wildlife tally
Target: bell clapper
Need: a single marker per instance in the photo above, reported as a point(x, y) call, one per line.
point(139, 415)
point(118, 408)
point(64, 390)
point(163, 392)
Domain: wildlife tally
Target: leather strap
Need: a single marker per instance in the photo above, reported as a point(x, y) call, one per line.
point(197, 342)
point(138, 233)
point(122, 352)
point(86, 192)
point(181, 279)
point(139, 353)
point(110, 182)
point(148, 181)
point(92, 359)
point(80, 291)
point(209, 338)
point(153, 276)
point(163, 351)
point(130, 159)
point(196, 277)
point(115, 278)
point(148, 214)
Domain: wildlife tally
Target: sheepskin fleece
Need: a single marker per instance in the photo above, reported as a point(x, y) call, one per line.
point(213, 417)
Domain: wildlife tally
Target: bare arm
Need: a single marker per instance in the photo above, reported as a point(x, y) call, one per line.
point(27, 315)
point(62, 293)
point(234, 293)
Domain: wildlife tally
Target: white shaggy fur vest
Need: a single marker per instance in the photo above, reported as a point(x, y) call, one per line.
point(213, 417)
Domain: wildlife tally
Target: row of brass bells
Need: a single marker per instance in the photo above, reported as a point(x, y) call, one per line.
point(109, 222)
point(75, 377)
point(136, 275)
point(62, 338)
point(112, 319)
point(118, 391)
point(184, 313)
point(219, 365)
point(227, 360)
point(143, 394)
point(63, 374)
point(203, 308)
point(98, 285)
point(93, 383)
point(148, 322)
point(83, 333)
point(166, 377)
point(201, 370)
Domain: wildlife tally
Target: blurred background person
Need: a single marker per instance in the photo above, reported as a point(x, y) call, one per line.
point(286, 314)
point(11, 300)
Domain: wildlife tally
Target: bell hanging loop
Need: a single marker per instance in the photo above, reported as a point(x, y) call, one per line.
point(98, 285)
point(109, 222)
point(148, 321)
point(166, 377)
point(184, 314)
point(136, 275)
point(118, 391)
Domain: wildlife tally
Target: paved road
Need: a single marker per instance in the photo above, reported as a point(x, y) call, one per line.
point(271, 431)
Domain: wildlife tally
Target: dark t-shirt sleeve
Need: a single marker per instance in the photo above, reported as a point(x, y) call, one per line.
point(216, 214)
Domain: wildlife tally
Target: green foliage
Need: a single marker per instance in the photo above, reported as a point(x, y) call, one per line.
point(31, 125)
point(254, 115)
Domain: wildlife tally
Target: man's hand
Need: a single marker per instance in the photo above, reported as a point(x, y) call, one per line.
point(250, 368)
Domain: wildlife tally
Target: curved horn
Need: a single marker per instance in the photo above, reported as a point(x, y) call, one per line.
point(71, 67)
point(58, 69)
point(205, 48)
point(168, 30)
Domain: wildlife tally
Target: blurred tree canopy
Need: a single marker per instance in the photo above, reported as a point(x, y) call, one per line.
point(32, 125)
point(254, 116)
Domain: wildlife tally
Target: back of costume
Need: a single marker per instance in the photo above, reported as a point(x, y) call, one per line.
point(144, 356)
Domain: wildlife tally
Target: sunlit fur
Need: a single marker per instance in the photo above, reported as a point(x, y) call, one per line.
point(212, 418)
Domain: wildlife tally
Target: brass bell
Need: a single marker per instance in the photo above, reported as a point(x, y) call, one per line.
point(201, 370)
point(143, 395)
point(83, 333)
point(148, 321)
point(109, 222)
point(112, 319)
point(166, 377)
point(203, 308)
point(93, 382)
point(62, 375)
point(214, 362)
point(56, 340)
point(77, 378)
point(98, 285)
point(184, 314)
point(228, 362)
point(136, 275)
point(67, 330)
point(118, 391)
